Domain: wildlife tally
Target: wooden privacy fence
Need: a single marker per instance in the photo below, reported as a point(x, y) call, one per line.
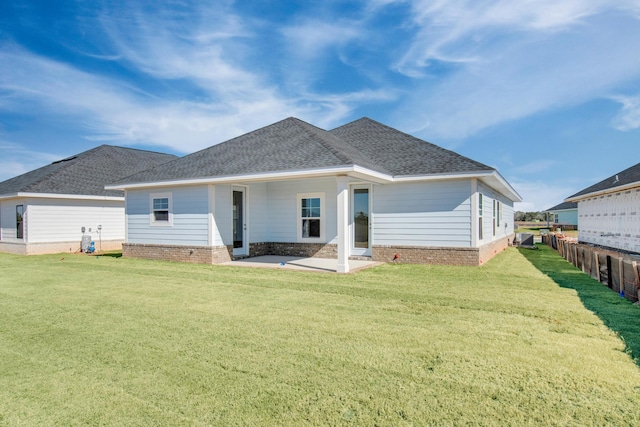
point(607, 267)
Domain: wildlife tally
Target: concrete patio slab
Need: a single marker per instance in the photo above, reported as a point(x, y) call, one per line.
point(295, 263)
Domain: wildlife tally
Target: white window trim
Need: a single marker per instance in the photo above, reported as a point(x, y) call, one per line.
point(323, 218)
point(495, 216)
point(152, 220)
point(480, 231)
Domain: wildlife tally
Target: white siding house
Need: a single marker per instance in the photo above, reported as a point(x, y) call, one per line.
point(50, 209)
point(361, 190)
point(609, 211)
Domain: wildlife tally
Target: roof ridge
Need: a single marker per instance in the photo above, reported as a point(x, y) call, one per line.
point(119, 147)
point(340, 154)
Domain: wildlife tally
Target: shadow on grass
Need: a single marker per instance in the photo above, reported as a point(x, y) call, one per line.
point(115, 254)
point(617, 313)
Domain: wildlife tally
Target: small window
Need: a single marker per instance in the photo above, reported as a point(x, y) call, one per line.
point(20, 222)
point(311, 208)
point(161, 209)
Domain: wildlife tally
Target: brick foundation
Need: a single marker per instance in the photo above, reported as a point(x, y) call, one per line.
point(407, 254)
point(492, 249)
point(307, 250)
point(424, 255)
point(440, 255)
point(193, 254)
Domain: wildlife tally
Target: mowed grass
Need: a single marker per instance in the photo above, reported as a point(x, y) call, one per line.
point(115, 341)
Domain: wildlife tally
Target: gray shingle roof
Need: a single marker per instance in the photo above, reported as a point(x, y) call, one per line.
point(627, 176)
point(563, 206)
point(403, 154)
point(86, 173)
point(294, 145)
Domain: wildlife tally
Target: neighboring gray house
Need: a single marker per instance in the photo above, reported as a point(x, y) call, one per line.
point(44, 211)
point(360, 190)
point(609, 211)
point(564, 214)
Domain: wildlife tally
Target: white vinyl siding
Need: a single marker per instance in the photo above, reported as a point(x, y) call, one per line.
point(8, 219)
point(283, 209)
point(190, 206)
point(422, 214)
point(60, 220)
point(497, 215)
point(259, 220)
point(223, 216)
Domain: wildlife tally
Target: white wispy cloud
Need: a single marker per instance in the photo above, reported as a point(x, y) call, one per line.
point(457, 30)
point(629, 116)
point(515, 61)
point(206, 50)
point(312, 37)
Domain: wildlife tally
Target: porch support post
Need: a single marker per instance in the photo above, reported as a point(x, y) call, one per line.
point(343, 224)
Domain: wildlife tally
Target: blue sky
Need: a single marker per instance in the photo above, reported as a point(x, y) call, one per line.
point(546, 91)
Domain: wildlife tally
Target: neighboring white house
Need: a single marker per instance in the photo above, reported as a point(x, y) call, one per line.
point(564, 214)
point(609, 211)
point(47, 209)
point(363, 189)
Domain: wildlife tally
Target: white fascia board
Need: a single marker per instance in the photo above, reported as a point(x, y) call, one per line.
point(498, 182)
point(492, 178)
point(61, 196)
point(270, 176)
point(603, 192)
point(441, 176)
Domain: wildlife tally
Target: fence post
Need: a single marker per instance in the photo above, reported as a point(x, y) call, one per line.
point(609, 275)
point(621, 274)
point(595, 254)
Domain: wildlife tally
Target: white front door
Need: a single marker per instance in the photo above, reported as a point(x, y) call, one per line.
point(360, 220)
point(239, 222)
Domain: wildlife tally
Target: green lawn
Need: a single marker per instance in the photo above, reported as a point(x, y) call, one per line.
point(536, 231)
point(90, 340)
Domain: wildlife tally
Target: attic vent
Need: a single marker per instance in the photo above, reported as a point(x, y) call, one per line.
point(64, 160)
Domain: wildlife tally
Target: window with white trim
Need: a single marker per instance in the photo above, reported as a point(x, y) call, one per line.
point(480, 233)
point(161, 209)
point(310, 217)
point(20, 221)
point(495, 213)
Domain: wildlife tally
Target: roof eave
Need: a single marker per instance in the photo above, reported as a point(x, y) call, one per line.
point(59, 196)
point(610, 190)
point(491, 178)
point(351, 170)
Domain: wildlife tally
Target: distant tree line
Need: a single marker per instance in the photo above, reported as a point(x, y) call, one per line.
point(530, 216)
